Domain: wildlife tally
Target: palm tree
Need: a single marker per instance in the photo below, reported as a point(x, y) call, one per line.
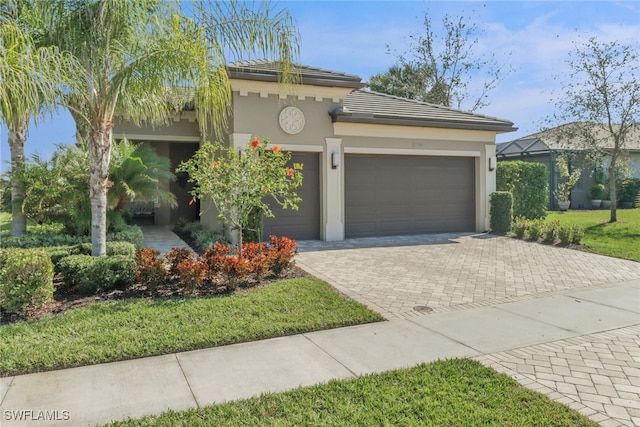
point(132, 50)
point(30, 84)
point(137, 171)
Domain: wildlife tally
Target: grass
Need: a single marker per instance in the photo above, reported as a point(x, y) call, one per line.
point(127, 329)
point(5, 222)
point(457, 392)
point(620, 239)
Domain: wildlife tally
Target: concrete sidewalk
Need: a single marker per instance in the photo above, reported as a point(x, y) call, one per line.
point(493, 334)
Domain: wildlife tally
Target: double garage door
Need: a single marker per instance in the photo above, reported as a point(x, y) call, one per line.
point(397, 195)
point(386, 195)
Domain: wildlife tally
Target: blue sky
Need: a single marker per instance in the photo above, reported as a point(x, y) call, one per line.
point(534, 37)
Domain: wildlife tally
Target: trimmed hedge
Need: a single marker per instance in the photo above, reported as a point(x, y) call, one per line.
point(26, 278)
point(93, 275)
point(528, 183)
point(130, 233)
point(56, 253)
point(501, 211)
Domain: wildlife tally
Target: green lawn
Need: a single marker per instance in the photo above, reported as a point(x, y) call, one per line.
point(128, 329)
point(457, 392)
point(620, 239)
point(5, 222)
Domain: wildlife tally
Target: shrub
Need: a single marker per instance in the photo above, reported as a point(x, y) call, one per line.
point(202, 236)
point(259, 260)
point(281, 254)
point(550, 232)
point(190, 273)
point(130, 233)
point(175, 256)
point(39, 240)
point(501, 211)
point(150, 269)
point(565, 234)
point(97, 274)
point(26, 278)
point(535, 229)
point(56, 253)
point(528, 183)
point(113, 248)
point(520, 227)
point(577, 233)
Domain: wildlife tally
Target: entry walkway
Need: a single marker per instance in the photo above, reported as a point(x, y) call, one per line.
point(161, 237)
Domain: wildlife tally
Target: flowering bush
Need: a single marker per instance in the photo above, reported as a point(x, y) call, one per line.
point(237, 183)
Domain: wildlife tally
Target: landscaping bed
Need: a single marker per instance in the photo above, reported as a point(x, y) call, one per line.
point(110, 327)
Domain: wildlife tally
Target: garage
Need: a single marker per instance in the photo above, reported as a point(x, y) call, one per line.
point(303, 224)
point(401, 195)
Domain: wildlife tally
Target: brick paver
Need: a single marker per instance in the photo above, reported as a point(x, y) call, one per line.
point(402, 277)
point(161, 237)
point(598, 375)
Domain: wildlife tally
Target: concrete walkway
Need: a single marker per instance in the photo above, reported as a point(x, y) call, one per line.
point(577, 345)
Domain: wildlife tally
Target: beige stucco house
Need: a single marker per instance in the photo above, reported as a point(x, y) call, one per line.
point(374, 164)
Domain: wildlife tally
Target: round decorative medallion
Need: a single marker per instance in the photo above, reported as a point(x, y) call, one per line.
point(291, 120)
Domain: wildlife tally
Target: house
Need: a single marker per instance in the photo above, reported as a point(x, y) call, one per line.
point(374, 164)
point(544, 147)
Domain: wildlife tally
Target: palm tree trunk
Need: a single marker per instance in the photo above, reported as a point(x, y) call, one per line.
point(17, 138)
point(99, 158)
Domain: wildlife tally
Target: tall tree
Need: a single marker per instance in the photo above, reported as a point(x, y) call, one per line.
point(31, 83)
point(600, 102)
point(135, 53)
point(439, 67)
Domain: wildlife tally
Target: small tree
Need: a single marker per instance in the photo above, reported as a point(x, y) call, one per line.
point(563, 189)
point(601, 102)
point(240, 183)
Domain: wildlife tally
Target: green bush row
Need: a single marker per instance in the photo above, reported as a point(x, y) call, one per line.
point(199, 234)
point(97, 274)
point(129, 233)
point(549, 232)
point(56, 253)
point(528, 183)
point(26, 278)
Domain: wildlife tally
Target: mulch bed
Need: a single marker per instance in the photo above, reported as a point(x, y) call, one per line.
point(68, 298)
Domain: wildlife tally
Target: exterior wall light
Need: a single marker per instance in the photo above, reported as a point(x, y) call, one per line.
point(335, 160)
point(492, 163)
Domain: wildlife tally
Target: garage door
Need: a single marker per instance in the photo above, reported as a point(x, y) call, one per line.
point(397, 195)
point(303, 224)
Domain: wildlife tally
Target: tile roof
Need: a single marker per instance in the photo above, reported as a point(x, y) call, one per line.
point(564, 137)
point(266, 70)
point(364, 106)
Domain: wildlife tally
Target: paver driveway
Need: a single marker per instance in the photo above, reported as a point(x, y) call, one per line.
point(402, 277)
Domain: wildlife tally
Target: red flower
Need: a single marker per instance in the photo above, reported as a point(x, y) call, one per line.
point(276, 148)
point(255, 143)
point(216, 164)
point(290, 172)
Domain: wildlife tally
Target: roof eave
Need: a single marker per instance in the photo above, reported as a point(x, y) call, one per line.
point(348, 118)
point(312, 81)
